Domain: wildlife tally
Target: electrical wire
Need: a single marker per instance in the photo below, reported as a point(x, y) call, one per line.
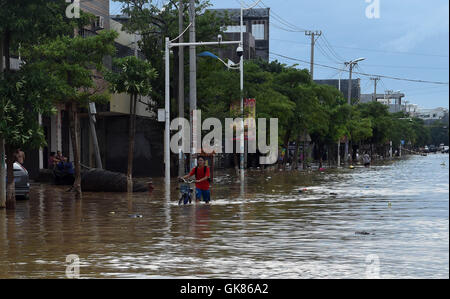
point(365, 74)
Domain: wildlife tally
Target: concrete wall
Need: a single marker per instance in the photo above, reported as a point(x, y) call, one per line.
point(149, 153)
point(356, 86)
point(120, 103)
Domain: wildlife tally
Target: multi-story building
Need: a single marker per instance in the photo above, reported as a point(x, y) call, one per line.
point(432, 115)
point(256, 32)
point(343, 86)
point(393, 100)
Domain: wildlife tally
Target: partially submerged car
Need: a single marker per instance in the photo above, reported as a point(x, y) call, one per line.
point(21, 180)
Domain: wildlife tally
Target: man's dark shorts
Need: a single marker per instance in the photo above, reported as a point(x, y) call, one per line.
point(206, 194)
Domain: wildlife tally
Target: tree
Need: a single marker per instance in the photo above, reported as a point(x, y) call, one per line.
point(153, 23)
point(24, 23)
point(71, 62)
point(134, 77)
point(22, 96)
point(380, 119)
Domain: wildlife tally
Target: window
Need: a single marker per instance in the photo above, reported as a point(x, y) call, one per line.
point(258, 31)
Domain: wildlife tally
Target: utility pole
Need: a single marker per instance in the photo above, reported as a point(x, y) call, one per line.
point(313, 35)
point(168, 46)
point(375, 80)
point(92, 112)
point(351, 64)
point(192, 78)
point(181, 79)
point(2, 146)
point(241, 70)
point(349, 101)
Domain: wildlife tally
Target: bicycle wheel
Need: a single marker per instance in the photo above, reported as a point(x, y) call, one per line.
point(186, 199)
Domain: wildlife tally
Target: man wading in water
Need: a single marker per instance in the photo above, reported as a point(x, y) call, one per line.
point(202, 179)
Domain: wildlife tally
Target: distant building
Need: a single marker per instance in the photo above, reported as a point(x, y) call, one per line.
point(256, 32)
point(392, 100)
point(433, 115)
point(356, 86)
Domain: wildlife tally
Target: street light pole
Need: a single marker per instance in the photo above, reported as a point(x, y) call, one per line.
point(167, 114)
point(242, 141)
point(168, 46)
point(241, 70)
point(192, 79)
point(351, 64)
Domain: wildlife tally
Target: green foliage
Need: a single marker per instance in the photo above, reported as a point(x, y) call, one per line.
point(29, 92)
point(71, 63)
point(36, 21)
point(22, 96)
point(134, 76)
point(380, 118)
point(154, 24)
point(438, 133)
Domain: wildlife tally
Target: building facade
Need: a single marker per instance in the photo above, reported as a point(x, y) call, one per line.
point(256, 32)
point(342, 85)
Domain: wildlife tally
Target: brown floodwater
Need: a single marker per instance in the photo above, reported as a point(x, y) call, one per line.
point(390, 219)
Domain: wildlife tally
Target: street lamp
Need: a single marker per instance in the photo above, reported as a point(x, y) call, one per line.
point(230, 65)
point(169, 45)
point(241, 53)
point(352, 64)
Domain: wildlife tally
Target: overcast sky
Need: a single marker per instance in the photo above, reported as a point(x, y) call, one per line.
point(410, 40)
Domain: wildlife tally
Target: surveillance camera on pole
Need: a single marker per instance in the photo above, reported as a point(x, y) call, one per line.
point(240, 51)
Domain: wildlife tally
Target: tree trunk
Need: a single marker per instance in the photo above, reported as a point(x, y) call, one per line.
point(297, 143)
point(131, 134)
point(236, 163)
point(2, 175)
point(286, 144)
point(304, 153)
point(74, 129)
point(10, 187)
point(339, 154)
point(320, 156)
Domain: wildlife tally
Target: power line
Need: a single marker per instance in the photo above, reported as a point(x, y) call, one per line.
point(333, 57)
point(373, 50)
point(364, 74)
point(330, 47)
point(287, 23)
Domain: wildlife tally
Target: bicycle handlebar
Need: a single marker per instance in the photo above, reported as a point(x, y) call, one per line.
point(186, 181)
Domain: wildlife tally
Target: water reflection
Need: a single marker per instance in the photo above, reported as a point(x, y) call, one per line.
point(262, 227)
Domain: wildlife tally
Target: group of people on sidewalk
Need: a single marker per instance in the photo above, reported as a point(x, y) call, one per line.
point(62, 169)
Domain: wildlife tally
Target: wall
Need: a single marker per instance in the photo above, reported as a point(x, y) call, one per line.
point(149, 151)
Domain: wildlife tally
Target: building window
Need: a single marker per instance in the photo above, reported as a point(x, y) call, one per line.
point(258, 31)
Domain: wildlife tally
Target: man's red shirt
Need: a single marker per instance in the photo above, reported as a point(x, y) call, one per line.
point(200, 175)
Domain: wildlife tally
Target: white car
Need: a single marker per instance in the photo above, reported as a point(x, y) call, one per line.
point(21, 181)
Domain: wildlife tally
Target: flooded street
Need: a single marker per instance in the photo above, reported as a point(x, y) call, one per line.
point(395, 216)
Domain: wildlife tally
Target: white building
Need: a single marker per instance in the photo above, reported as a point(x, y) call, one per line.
point(432, 114)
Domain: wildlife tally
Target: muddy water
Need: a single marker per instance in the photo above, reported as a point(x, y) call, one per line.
point(264, 228)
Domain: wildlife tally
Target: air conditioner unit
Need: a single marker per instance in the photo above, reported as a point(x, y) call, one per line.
point(99, 22)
